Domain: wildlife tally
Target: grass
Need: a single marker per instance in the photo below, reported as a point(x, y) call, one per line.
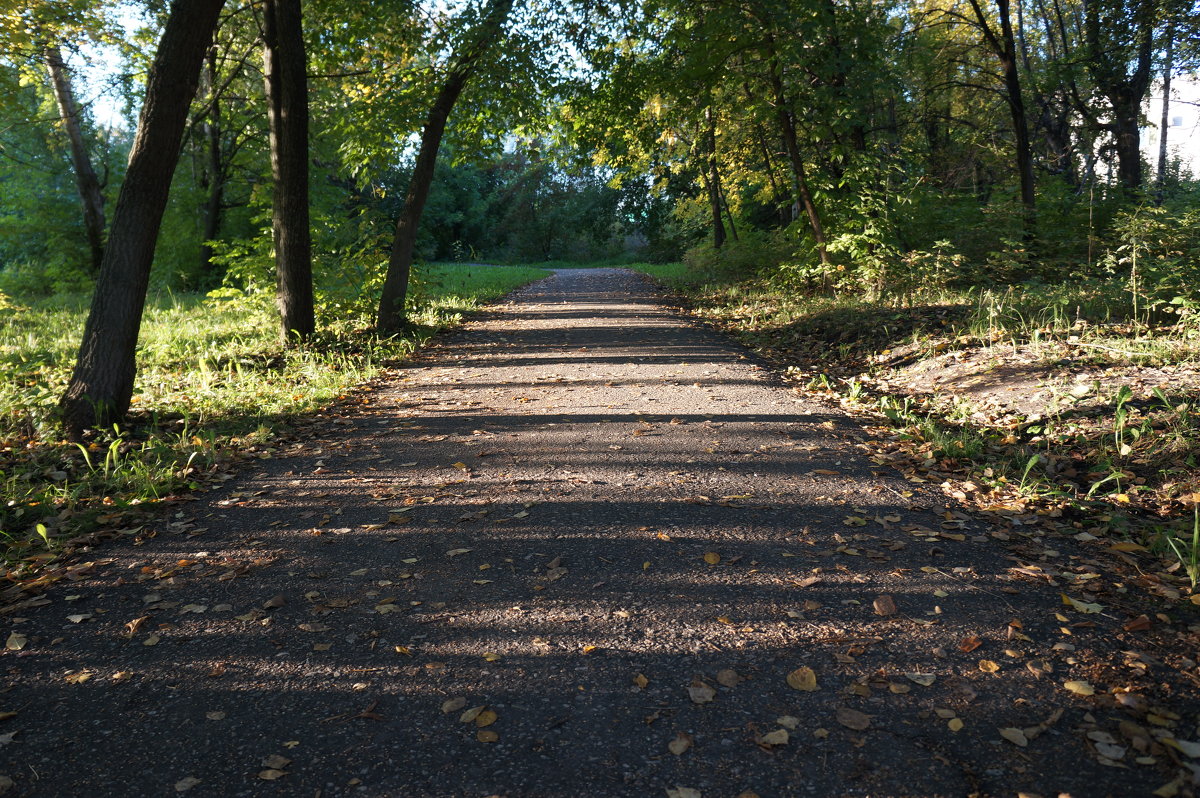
point(213, 383)
point(1126, 455)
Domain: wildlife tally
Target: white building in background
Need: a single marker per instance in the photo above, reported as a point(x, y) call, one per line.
point(1183, 125)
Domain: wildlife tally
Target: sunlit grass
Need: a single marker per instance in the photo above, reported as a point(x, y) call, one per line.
point(213, 379)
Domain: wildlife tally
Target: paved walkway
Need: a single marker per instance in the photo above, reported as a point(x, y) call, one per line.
point(581, 547)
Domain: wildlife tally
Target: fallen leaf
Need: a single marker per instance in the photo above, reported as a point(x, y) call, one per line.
point(16, 641)
point(152, 640)
point(969, 644)
point(491, 657)
point(271, 774)
point(79, 677)
point(728, 678)
point(1079, 687)
point(988, 666)
point(641, 681)
point(803, 678)
point(470, 715)
point(923, 679)
point(453, 705)
point(853, 719)
point(485, 718)
point(120, 677)
point(314, 627)
point(457, 552)
point(681, 743)
point(276, 761)
point(185, 784)
point(885, 605)
point(712, 558)
point(486, 736)
point(215, 715)
point(1015, 736)
point(777, 737)
point(1081, 606)
point(954, 724)
point(683, 792)
point(701, 693)
point(275, 602)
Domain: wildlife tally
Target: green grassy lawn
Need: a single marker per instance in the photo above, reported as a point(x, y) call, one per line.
point(213, 381)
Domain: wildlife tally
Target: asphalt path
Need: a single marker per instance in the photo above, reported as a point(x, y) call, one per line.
point(580, 547)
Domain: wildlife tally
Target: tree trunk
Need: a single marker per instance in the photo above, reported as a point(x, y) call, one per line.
point(90, 195)
point(102, 383)
point(714, 179)
point(1160, 182)
point(214, 173)
point(1005, 49)
point(391, 316)
point(287, 115)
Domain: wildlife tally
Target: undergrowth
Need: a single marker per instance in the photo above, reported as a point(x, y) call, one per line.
point(1117, 456)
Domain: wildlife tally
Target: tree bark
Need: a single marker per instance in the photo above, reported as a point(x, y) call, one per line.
point(102, 383)
point(799, 178)
point(1122, 74)
point(714, 179)
point(88, 185)
point(391, 316)
point(287, 115)
point(214, 171)
point(1160, 182)
point(214, 178)
point(1004, 48)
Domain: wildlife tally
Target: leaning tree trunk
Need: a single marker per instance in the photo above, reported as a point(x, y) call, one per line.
point(102, 382)
point(391, 318)
point(1004, 47)
point(714, 180)
point(787, 126)
point(287, 114)
point(395, 287)
point(86, 181)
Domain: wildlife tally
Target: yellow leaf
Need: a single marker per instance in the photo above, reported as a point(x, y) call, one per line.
point(1079, 687)
point(485, 718)
point(405, 650)
point(79, 677)
point(641, 681)
point(712, 558)
point(491, 657)
point(1081, 606)
point(988, 666)
point(777, 737)
point(271, 774)
point(954, 724)
point(803, 678)
point(1126, 545)
point(16, 641)
point(486, 736)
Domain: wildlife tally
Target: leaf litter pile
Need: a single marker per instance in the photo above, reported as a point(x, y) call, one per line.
point(582, 547)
